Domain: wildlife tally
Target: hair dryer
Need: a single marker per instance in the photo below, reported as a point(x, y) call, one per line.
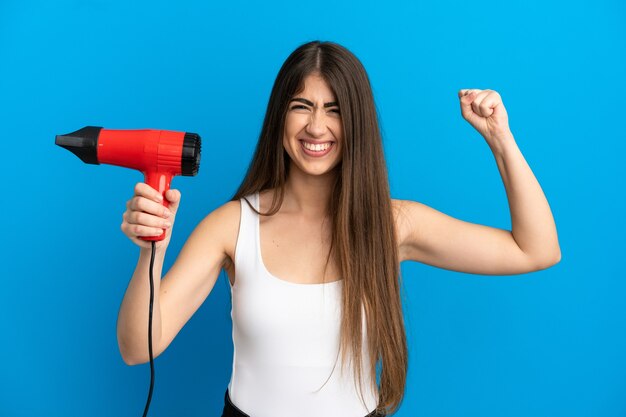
point(159, 154)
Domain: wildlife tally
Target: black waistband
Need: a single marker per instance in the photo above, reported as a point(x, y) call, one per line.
point(231, 410)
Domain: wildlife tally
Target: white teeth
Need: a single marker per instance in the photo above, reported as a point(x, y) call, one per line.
point(316, 148)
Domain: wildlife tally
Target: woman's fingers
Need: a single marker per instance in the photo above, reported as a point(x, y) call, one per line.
point(146, 215)
point(173, 197)
point(144, 190)
point(145, 219)
point(139, 203)
point(137, 230)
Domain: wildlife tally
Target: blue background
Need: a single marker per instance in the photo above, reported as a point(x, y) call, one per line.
point(549, 343)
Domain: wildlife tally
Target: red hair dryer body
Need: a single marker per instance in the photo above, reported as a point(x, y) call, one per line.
point(159, 154)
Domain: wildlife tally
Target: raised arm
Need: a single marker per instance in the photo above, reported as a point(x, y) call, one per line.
point(429, 236)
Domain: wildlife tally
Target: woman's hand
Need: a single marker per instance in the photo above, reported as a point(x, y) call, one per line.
point(145, 215)
point(484, 110)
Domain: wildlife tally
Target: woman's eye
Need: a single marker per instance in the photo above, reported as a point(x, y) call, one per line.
point(301, 107)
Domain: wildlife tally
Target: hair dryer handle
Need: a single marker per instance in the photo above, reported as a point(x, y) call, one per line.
point(160, 181)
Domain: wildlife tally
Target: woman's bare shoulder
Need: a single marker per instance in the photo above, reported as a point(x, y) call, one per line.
point(225, 215)
point(398, 212)
point(225, 221)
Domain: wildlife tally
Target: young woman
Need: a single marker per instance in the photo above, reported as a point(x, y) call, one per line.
point(312, 243)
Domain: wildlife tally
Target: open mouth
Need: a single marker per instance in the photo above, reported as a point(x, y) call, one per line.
point(317, 150)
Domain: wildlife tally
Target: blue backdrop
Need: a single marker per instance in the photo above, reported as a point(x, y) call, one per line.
point(549, 343)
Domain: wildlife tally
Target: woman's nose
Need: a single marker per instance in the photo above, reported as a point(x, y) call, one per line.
point(316, 125)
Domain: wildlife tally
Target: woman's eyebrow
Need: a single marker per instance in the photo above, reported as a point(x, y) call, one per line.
point(310, 103)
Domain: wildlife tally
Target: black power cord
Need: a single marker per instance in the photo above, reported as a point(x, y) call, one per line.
point(145, 411)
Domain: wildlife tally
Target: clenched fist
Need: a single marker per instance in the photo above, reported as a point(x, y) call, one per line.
point(145, 215)
point(484, 110)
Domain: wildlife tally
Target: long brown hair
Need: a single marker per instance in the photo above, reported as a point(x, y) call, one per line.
point(363, 230)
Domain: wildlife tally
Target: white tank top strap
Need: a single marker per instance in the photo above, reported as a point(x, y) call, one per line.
point(246, 262)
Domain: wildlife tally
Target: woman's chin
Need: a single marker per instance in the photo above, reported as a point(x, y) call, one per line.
point(316, 169)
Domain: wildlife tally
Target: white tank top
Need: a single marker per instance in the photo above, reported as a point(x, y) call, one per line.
point(286, 340)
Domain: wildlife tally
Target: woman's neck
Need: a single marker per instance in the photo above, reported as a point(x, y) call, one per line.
point(308, 195)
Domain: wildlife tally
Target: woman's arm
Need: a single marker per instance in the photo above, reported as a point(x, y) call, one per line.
point(181, 291)
point(533, 226)
point(429, 236)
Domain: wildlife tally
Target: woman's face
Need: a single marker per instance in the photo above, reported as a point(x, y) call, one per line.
point(313, 128)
